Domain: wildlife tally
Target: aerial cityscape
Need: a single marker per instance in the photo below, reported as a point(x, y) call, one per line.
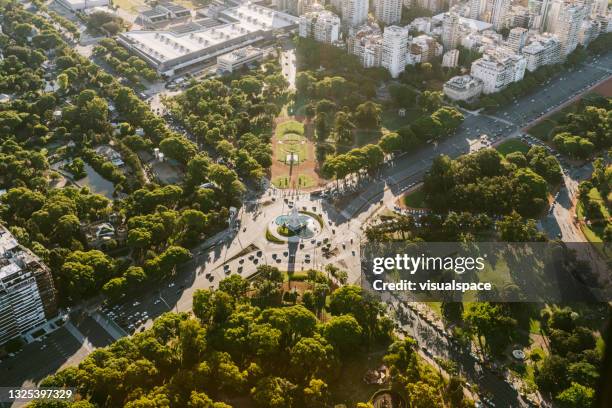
point(305, 203)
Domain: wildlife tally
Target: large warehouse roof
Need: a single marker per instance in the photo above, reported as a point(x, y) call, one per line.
point(166, 45)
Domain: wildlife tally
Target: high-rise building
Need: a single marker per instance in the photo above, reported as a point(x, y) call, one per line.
point(589, 30)
point(323, 26)
point(354, 12)
point(27, 294)
point(475, 9)
point(567, 26)
point(388, 11)
point(519, 16)
point(450, 59)
point(423, 48)
point(550, 14)
point(498, 69)
point(599, 7)
point(542, 49)
point(450, 31)
point(395, 41)
point(499, 9)
point(517, 39)
point(366, 43)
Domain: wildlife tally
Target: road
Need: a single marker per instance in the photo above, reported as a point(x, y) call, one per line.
point(436, 343)
point(343, 228)
point(288, 65)
point(508, 122)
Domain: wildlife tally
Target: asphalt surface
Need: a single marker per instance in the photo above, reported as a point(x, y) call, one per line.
point(33, 364)
point(435, 343)
point(506, 123)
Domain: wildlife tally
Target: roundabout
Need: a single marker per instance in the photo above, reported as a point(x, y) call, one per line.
point(294, 226)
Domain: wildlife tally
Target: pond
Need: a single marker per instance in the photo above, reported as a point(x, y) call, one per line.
point(96, 183)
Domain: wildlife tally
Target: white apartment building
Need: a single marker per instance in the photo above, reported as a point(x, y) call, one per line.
point(323, 26)
point(517, 39)
point(567, 26)
point(474, 9)
point(366, 43)
point(463, 88)
point(421, 24)
point(422, 49)
point(431, 5)
point(450, 59)
point(542, 49)
point(589, 30)
point(231, 61)
point(27, 294)
point(450, 31)
point(498, 69)
point(599, 7)
point(519, 16)
point(354, 12)
point(499, 9)
point(481, 41)
point(388, 11)
point(394, 46)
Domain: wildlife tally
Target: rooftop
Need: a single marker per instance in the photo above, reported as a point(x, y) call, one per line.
point(237, 22)
point(471, 24)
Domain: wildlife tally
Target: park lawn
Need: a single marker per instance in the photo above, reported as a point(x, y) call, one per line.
point(291, 143)
point(511, 146)
point(305, 181)
point(593, 233)
point(290, 126)
point(281, 182)
point(391, 121)
point(415, 199)
point(542, 129)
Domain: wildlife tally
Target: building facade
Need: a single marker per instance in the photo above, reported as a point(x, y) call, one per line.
point(450, 59)
point(567, 26)
point(542, 50)
point(354, 12)
point(517, 39)
point(366, 43)
point(388, 11)
point(463, 88)
point(238, 58)
point(27, 294)
point(450, 31)
point(323, 26)
point(395, 41)
point(498, 69)
point(172, 52)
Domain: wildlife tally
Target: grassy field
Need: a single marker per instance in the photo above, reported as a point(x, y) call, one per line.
point(302, 181)
point(593, 233)
point(391, 121)
point(512, 145)
point(542, 129)
point(291, 126)
point(291, 143)
point(415, 199)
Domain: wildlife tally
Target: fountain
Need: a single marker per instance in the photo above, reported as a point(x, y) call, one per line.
point(297, 224)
